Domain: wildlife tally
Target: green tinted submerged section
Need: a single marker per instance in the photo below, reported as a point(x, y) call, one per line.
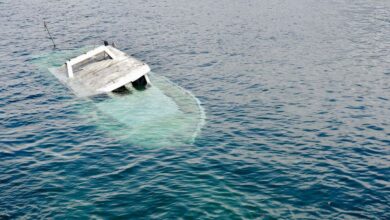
point(163, 115)
point(58, 57)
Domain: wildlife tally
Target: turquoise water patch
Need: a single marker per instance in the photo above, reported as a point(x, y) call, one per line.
point(57, 57)
point(163, 115)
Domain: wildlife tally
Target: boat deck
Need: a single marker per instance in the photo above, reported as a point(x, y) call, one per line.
point(100, 73)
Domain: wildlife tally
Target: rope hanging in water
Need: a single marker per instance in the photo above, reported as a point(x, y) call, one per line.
point(47, 29)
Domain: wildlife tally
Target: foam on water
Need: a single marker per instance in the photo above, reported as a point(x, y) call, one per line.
point(163, 115)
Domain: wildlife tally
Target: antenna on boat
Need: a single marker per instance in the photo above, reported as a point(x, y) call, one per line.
point(47, 29)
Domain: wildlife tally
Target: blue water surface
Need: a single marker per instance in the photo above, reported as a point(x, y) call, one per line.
point(297, 97)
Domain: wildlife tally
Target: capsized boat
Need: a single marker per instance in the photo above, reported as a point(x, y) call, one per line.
point(101, 70)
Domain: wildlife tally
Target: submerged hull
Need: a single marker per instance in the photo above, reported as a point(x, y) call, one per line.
point(163, 115)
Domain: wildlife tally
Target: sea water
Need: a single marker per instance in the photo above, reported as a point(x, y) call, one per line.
point(297, 96)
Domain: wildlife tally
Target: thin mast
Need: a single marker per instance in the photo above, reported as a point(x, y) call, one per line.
point(47, 29)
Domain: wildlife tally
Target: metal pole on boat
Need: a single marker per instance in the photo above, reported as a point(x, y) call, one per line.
point(47, 29)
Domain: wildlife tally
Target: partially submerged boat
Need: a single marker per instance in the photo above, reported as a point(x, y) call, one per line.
point(101, 70)
point(152, 112)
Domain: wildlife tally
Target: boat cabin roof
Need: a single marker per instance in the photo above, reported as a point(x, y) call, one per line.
point(100, 70)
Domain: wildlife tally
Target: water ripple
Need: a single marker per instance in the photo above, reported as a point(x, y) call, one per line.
point(296, 95)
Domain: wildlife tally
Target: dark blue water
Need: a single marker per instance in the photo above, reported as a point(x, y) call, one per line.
point(297, 96)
